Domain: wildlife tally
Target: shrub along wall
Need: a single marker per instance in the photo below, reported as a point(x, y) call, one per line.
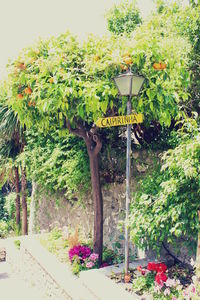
point(52, 210)
point(55, 210)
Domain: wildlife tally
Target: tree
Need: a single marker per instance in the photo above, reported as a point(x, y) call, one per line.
point(123, 18)
point(12, 144)
point(59, 85)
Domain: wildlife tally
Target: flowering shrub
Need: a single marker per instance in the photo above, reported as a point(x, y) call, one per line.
point(82, 258)
point(154, 281)
point(82, 252)
point(160, 277)
point(157, 267)
point(192, 291)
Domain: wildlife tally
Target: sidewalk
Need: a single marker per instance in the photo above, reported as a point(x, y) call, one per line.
point(35, 274)
point(12, 287)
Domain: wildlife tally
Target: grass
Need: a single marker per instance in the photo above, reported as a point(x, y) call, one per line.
point(56, 244)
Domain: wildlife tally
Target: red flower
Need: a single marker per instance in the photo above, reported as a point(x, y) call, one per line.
point(152, 266)
point(157, 267)
point(160, 277)
point(161, 267)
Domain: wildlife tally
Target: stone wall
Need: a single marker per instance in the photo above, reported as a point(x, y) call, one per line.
point(56, 210)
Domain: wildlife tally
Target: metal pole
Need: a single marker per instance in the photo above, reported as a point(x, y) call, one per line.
point(128, 177)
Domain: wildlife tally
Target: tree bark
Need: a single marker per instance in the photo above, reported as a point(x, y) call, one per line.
point(17, 190)
point(198, 241)
point(32, 221)
point(24, 203)
point(94, 145)
point(98, 206)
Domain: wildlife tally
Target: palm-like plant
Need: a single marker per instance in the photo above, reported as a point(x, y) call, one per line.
point(11, 145)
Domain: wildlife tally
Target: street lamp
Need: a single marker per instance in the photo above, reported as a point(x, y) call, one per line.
point(128, 84)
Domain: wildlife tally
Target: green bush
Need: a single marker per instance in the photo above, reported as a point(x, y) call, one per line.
point(4, 229)
point(3, 214)
point(166, 205)
point(10, 206)
point(58, 163)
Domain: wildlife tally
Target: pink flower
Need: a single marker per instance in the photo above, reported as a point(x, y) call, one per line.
point(105, 264)
point(89, 264)
point(94, 257)
point(170, 282)
point(81, 251)
point(158, 288)
point(174, 298)
point(167, 292)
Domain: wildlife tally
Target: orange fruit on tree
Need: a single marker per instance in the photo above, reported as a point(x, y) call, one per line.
point(28, 91)
point(123, 67)
point(156, 66)
point(30, 103)
point(127, 60)
point(51, 80)
point(163, 66)
point(20, 96)
point(21, 66)
point(159, 66)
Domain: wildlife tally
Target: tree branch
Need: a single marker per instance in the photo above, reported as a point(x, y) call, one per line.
point(94, 129)
point(98, 146)
point(79, 132)
point(176, 260)
point(90, 137)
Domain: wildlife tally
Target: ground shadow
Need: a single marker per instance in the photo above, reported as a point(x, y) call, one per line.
point(4, 275)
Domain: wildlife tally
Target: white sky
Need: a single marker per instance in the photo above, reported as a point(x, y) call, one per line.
point(23, 21)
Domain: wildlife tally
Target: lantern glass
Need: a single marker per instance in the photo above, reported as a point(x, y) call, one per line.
point(137, 82)
point(129, 84)
point(123, 83)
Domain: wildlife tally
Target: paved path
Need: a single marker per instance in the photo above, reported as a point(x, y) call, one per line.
point(14, 288)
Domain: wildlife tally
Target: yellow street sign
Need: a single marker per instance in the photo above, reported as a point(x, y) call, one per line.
point(119, 120)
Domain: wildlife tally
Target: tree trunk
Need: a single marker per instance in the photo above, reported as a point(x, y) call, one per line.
point(17, 189)
point(24, 203)
point(94, 145)
point(32, 222)
point(198, 241)
point(98, 206)
point(198, 251)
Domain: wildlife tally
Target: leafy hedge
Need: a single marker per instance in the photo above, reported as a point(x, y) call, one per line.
point(166, 205)
point(58, 163)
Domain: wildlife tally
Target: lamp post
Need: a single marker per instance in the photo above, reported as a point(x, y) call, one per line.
point(128, 84)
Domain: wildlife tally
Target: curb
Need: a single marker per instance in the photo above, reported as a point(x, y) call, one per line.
point(103, 288)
